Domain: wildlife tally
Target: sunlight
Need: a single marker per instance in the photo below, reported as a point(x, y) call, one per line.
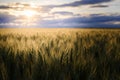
point(29, 13)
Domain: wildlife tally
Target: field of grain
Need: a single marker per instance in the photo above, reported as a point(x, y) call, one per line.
point(59, 54)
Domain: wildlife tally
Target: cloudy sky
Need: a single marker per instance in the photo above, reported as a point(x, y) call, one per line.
point(59, 13)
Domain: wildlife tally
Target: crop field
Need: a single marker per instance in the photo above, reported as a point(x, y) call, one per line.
point(59, 54)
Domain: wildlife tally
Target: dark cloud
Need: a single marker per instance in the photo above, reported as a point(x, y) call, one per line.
point(63, 13)
point(4, 7)
point(85, 2)
point(6, 18)
point(92, 21)
point(79, 3)
point(15, 6)
point(47, 8)
point(99, 6)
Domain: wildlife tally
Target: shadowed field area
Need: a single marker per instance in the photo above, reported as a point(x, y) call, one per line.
point(59, 54)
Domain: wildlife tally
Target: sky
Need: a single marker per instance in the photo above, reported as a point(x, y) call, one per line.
point(60, 13)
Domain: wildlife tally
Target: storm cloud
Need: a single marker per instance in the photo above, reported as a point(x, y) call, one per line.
point(96, 21)
point(4, 7)
point(80, 3)
point(6, 18)
point(85, 2)
point(99, 6)
point(63, 13)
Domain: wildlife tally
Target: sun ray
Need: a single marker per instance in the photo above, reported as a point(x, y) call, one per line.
point(29, 13)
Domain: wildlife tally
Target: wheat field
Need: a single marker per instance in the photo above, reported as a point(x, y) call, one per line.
point(59, 54)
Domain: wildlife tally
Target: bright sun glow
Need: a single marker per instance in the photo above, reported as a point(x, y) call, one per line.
point(29, 13)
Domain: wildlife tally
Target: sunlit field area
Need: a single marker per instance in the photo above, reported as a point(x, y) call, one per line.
point(59, 54)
